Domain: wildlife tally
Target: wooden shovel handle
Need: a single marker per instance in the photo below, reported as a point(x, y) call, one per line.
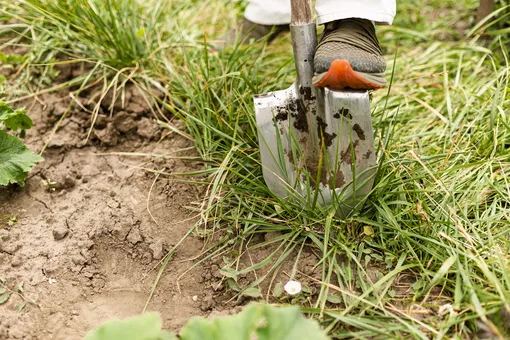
point(301, 12)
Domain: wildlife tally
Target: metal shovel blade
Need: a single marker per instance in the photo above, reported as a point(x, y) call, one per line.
point(271, 113)
point(348, 164)
point(316, 145)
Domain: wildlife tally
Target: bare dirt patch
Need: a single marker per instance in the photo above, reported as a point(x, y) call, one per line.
point(79, 238)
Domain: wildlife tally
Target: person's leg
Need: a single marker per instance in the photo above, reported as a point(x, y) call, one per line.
point(268, 12)
point(277, 12)
point(348, 54)
point(380, 11)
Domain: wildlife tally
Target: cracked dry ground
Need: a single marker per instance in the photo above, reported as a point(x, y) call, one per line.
point(83, 244)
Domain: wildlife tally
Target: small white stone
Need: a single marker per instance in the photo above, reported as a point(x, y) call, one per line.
point(292, 287)
point(444, 309)
point(52, 281)
point(194, 298)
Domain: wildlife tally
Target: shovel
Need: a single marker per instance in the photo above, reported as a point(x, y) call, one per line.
point(316, 144)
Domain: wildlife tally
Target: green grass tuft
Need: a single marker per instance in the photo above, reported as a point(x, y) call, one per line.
point(119, 33)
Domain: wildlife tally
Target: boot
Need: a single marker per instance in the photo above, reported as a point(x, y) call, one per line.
point(349, 56)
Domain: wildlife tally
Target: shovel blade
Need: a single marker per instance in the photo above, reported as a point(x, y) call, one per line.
point(346, 145)
point(349, 141)
point(273, 132)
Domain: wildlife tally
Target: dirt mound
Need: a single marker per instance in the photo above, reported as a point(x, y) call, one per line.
point(78, 244)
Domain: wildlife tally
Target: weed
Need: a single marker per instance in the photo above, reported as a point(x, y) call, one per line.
point(255, 321)
point(16, 160)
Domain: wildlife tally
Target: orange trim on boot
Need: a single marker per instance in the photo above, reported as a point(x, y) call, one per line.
point(341, 75)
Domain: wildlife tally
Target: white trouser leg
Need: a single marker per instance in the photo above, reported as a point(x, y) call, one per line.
point(380, 11)
point(268, 12)
point(277, 12)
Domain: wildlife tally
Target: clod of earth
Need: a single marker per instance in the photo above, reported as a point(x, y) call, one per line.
point(60, 231)
point(147, 129)
point(134, 236)
point(325, 137)
point(108, 136)
point(343, 112)
point(79, 260)
point(121, 230)
point(306, 93)
point(298, 112)
point(157, 250)
point(16, 261)
point(359, 131)
point(124, 122)
point(282, 115)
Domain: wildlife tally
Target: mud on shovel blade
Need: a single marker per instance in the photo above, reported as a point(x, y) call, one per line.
point(316, 145)
point(348, 140)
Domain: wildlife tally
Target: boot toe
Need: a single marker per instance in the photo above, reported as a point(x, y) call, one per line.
point(349, 55)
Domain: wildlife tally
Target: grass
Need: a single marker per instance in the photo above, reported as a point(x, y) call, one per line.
point(436, 226)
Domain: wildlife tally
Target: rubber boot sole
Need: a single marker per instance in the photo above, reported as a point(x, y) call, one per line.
point(341, 76)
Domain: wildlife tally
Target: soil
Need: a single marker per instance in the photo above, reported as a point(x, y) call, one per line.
point(78, 244)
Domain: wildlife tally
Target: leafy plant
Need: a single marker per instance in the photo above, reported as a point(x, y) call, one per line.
point(142, 327)
point(16, 160)
point(256, 321)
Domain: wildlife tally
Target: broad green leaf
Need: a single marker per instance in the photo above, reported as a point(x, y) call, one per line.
point(306, 289)
point(332, 298)
point(235, 327)
point(144, 327)
point(229, 272)
point(233, 285)
point(4, 298)
point(256, 321)
point(14, 119)
point(289, 324)
point(252, 292)
point(4, 108)
point(15, 159)
point(278, 290)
